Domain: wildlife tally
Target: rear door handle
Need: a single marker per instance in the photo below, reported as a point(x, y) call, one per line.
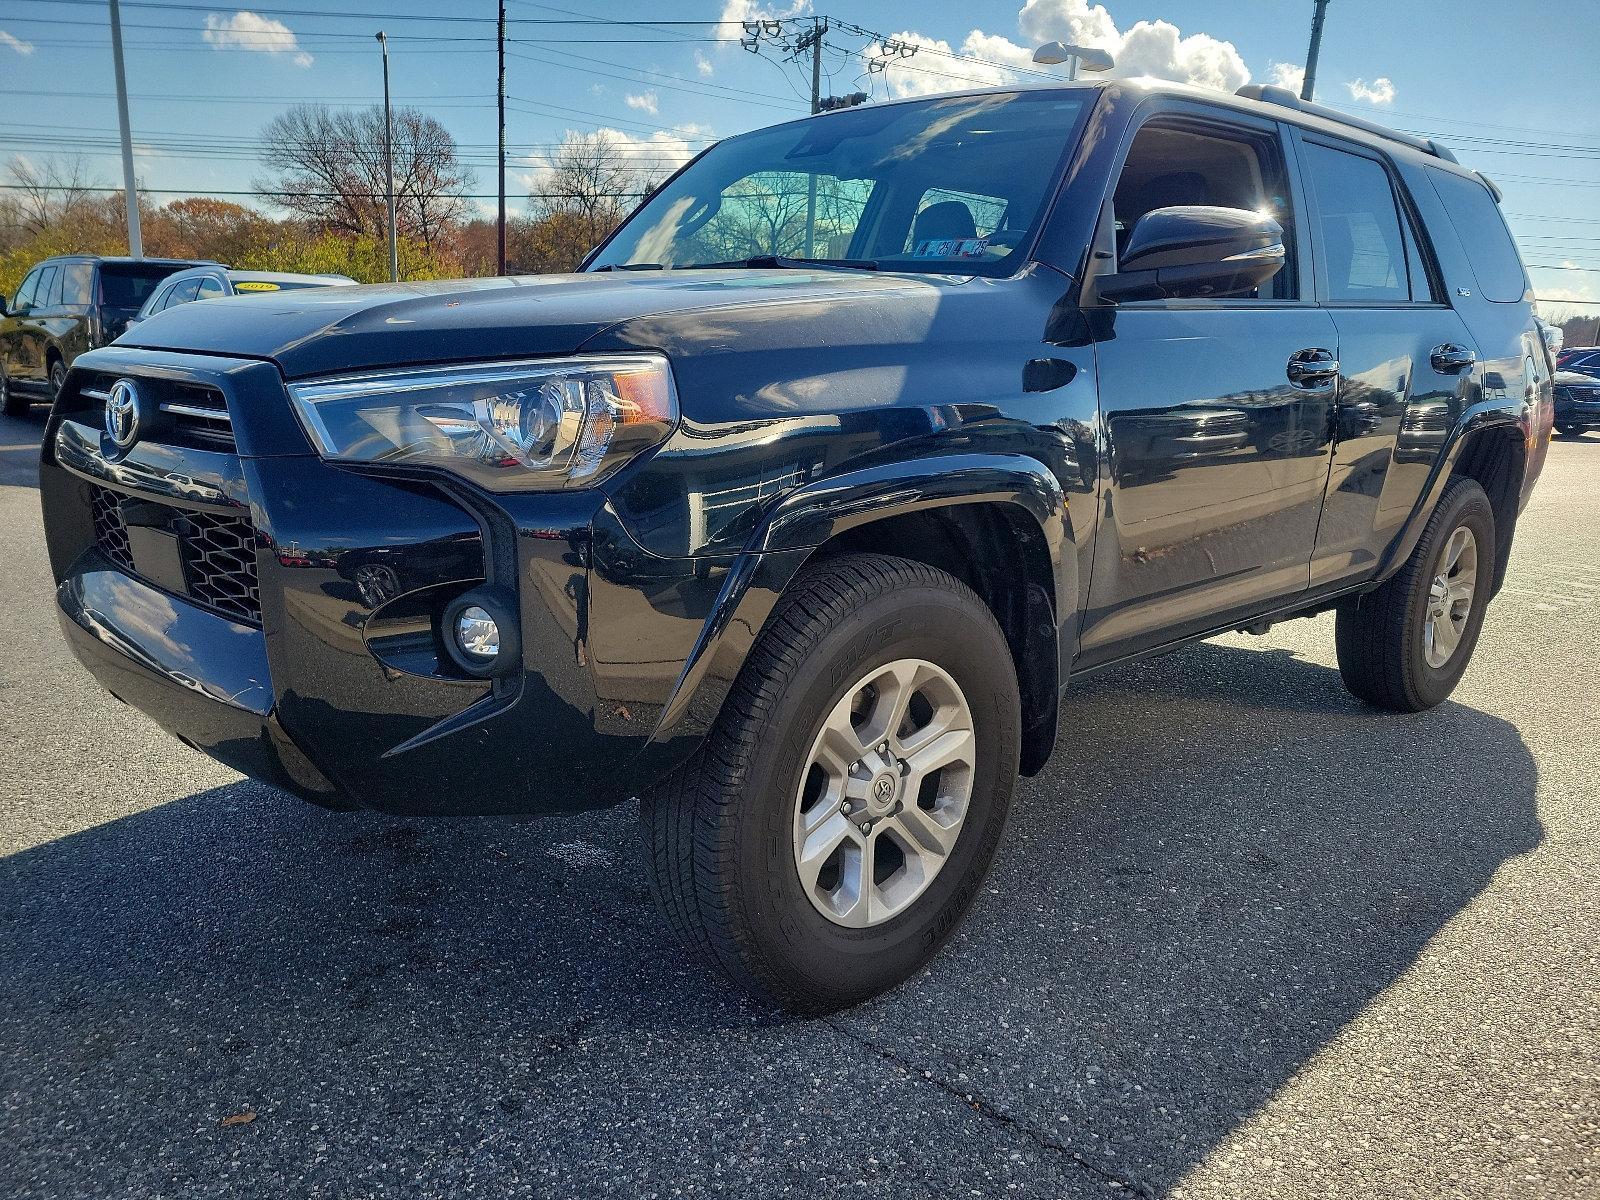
point(1451, 359)
point(1312, 368)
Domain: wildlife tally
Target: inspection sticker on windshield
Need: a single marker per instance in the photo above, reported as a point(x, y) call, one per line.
point(951, 248)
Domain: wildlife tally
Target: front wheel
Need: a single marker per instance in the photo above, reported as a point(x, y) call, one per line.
point(831, 833)
point(1405, 645)
point(12, 403)
point(58, 379)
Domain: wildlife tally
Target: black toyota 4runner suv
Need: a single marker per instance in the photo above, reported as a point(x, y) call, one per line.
point(794, 512)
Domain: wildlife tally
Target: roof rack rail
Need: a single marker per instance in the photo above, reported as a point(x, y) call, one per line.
point(1268, 93)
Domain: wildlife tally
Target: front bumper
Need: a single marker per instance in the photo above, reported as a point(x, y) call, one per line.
point(330, 680)
point(1571, 415)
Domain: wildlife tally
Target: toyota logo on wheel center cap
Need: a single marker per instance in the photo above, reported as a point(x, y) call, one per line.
point(123, 414)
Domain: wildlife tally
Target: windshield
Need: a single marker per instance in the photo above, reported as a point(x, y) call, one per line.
point(949, 185)
point(127, 286)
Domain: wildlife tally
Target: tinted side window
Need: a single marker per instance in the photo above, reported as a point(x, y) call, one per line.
point(183, 292)
point(25, 292)
point(77, 284)
point(1358, 224)
point(1173, 164)
point(1484, 235)
point(44, 295)
point(210, 288)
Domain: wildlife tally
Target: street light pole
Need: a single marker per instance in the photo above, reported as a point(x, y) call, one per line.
point(388, 163)
point(135, 240)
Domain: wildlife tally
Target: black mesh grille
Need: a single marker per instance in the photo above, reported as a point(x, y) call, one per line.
point(219, 556)
point(219, 560)
point(110, 530)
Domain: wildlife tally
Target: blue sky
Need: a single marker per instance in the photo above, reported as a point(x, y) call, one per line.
point(1510, 86)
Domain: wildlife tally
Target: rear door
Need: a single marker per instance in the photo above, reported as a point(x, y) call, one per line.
point(1218, 442)
point(1406, 359)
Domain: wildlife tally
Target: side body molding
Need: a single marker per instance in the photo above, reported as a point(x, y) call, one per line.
point(809, 516)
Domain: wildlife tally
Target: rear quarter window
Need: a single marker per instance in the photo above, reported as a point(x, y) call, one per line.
point(1477, 220)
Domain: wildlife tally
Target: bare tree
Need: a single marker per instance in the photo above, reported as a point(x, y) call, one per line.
point(50, 191)
point(591, 178)
point(328, 166)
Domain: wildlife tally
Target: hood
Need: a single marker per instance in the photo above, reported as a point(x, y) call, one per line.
point(319, 331)
point(1565, 378)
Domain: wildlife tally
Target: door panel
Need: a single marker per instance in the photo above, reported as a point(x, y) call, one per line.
point(1395, 412)
point(1217, 463)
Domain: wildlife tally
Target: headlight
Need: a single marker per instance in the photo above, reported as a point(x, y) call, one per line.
point(537, 424)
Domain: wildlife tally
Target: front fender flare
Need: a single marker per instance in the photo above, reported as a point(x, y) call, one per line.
point(808, 517)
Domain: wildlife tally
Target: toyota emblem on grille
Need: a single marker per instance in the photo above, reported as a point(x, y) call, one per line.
point(123, 413)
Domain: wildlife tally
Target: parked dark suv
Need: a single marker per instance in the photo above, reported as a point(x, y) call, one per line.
point(796, 510)
point(63, 307)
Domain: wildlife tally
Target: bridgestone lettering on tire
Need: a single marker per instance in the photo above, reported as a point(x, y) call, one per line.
point(720, 834)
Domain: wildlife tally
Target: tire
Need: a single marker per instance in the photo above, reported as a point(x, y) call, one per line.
point(724, 833)
point(12, 402)
point(58, 378)
point(1385, 656)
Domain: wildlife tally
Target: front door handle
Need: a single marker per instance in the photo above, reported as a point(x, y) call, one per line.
point(1451, 359)
point(1312, 368)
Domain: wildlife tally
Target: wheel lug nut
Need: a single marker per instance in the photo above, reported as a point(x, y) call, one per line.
point(845, 808)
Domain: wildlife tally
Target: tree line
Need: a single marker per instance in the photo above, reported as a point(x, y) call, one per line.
point(323, 207)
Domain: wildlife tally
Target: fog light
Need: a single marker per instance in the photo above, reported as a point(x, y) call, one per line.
point(479, 629)
point(477, 635)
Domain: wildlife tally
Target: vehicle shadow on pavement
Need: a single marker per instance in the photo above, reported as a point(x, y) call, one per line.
point(19, 447)
point(1226, 862)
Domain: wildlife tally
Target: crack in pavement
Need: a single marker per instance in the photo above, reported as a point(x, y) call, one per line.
point(993, 1112)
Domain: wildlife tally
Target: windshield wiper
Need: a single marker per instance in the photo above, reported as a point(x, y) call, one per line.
point(768, 261)
point(631, 267)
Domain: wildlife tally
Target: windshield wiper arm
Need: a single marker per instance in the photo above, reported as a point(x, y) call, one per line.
point(631, 267)
point(767, 261)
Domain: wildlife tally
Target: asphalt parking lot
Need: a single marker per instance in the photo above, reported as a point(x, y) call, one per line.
point(1244, 938)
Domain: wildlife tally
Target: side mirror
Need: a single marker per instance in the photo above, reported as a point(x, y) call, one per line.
point(1196, 251)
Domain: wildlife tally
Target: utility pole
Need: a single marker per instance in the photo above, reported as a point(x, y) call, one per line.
point(500, 229)
point(135, 240)
point(813, 42)
point(388, 164)
point(1309, 85)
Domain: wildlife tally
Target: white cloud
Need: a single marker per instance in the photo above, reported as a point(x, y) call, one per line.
point(1379, 91)
point(923, 74)
point(1155, 48)
point(1287, 75)
point(737, 11)
point(644, 102)
point(248, 31)
point(1554, 294)
point(16, 43)
point(702, 63)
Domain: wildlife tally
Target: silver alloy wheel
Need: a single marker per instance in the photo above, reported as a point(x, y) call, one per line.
point(1450, 598)
point(884, 793)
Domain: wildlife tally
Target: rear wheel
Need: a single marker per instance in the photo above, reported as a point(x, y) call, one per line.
point(833, 830)
point(58, 378)
point(1405, 645)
